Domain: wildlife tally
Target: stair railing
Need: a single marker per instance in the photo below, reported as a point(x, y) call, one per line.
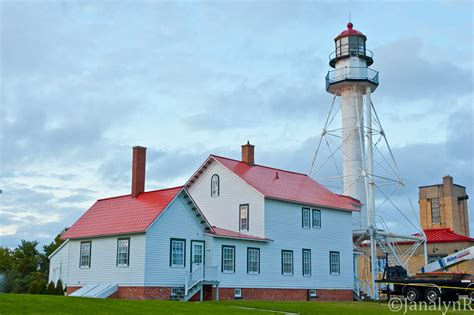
point(193, 278)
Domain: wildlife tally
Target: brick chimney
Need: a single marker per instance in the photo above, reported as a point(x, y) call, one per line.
point(248, 153)
point(138, 170)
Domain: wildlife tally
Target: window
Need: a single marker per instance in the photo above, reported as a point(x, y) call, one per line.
point(334, 263)
point(435, 213)
point(85, 255)
point(316, 219)
point(253, 260)
point(306, 262)
point(305, 220)
point(177, 252)
point(244, 217)
point(313, 293)
point(287, 262)
point(238, 293)
point(123, 252)
point(228, 258)
point(215, 185)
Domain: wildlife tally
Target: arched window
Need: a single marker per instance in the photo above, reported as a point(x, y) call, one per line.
point(215, 185)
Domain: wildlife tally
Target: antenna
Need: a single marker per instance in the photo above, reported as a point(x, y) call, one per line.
point(350, 16)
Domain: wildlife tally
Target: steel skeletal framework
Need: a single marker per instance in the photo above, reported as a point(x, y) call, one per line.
point(369, 167)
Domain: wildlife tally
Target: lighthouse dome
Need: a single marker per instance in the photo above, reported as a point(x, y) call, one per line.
point(350, 31)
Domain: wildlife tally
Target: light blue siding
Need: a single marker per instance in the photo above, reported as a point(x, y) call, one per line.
point(177, 221)
point(283, 226)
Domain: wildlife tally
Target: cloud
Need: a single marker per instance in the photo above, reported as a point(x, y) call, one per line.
point(408, 75)
point(82, 82)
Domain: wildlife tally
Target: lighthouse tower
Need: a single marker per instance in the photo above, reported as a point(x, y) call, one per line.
point(353, 81)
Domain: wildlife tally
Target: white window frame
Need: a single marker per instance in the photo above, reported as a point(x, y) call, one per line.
point(123, 252)
point(253, 260)
point(316, 222)
point(244, 221)
point(334, 263)
point(228, 259)
point(306, 218)
point(175, 256)
point(306, 262)
point(215, 185)
point(237, 293)
point(85, 258)
point(287, 260)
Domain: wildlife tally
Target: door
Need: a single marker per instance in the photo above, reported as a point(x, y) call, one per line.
point(197, 254)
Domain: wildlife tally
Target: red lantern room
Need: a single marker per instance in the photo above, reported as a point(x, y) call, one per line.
point(350, 43)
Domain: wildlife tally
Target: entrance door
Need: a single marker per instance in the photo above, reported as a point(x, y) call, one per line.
point(197, 254)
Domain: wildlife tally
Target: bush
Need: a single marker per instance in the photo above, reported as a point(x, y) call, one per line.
point(59, 288)
point(51, 288)
point(41, 287)
point(33, 287)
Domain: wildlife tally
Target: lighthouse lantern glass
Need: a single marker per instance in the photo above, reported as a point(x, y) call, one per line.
point(350, 46)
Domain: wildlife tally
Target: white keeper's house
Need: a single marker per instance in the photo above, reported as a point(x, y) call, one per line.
point(235, 230)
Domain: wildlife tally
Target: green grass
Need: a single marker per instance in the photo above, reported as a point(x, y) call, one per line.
point(41, 304)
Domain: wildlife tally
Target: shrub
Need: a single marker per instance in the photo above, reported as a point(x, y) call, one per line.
point(41, 287)
point(33, 287)
point(51, 288)
point(59, 288)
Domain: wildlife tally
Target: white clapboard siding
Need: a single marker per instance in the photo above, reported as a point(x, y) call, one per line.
point(283, 226)
point(177, 221)
point(59, 265)
point(104, 268)
point(223, 211)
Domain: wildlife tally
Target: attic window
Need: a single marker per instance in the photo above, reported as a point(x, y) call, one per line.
point(215, 185)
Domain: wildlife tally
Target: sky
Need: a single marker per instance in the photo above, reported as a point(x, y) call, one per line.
point(84, 81)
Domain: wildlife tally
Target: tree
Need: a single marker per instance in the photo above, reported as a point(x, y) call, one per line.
point(5, 267)
point(25, 266)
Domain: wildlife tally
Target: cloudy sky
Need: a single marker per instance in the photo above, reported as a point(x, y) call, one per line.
point(82, 82)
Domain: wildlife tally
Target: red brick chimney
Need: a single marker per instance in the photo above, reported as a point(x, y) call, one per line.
point(138, 170)
point(248, 153)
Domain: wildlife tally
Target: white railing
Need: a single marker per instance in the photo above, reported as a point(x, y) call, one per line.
point(193, 278)
point(208, 273)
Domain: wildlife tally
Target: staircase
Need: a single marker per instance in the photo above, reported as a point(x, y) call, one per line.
point(194, 283)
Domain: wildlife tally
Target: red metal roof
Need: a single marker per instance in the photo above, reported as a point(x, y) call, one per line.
point(350, 32)
point(285, 185)
point(445, 235)
point(122, 214)
point(441, 235)
point(232, 234)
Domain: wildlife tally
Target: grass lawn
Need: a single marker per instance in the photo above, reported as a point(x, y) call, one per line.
point(41, 304)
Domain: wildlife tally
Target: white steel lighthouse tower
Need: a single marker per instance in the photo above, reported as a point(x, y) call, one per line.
point(353, 82)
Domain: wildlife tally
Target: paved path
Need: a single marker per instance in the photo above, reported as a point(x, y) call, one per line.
point(264, 310)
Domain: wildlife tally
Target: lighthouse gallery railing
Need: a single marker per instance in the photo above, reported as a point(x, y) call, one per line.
point(352, 73)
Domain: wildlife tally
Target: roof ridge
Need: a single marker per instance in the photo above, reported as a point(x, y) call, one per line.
point(145, 192)
point(265, 166)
